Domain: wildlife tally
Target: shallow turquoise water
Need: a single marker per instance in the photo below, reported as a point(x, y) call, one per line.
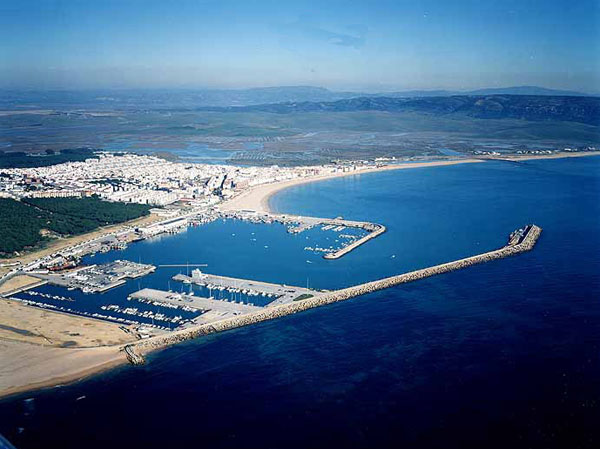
point(505, 354)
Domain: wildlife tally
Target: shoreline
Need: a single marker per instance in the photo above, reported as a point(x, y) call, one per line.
point(257, 198)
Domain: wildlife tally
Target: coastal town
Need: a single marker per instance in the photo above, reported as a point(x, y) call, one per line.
point(133, 178)
point(147, 179)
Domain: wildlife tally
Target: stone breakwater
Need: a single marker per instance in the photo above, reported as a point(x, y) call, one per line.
point(268, 313)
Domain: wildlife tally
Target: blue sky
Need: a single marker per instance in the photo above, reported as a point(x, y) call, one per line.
point(367, 45)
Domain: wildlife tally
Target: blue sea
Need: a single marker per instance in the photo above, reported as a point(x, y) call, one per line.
point(505, 354)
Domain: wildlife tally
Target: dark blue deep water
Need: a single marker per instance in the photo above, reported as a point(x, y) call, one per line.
point(505, 354)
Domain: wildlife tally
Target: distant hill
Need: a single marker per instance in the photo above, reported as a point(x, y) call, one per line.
point(152, 99)
point(132, 99)
point(527, 107)
point(526, 90)
point(277, 94)
point(416, 93)
point(515, 90)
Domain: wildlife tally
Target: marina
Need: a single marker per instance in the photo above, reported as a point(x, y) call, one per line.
point(199, 297)
point(527, 238)
point(134, 311)
point(212, 309)
point(71, 311)
point(57, 268)
point(280, 293)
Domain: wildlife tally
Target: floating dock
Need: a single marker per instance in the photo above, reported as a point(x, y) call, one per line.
point(526, 240)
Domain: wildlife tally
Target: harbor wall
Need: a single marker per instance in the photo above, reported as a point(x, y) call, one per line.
point(269, 313)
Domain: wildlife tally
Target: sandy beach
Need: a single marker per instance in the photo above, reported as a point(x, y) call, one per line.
point(257, 198)
point(41, 348)
point(29, 367)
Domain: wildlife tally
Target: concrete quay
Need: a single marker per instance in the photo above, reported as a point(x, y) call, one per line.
point(224, 308)
point(28, 286)
point(527, 243)
point(281, 292)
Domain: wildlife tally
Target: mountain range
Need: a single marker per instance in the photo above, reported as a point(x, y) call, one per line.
point(527, 107)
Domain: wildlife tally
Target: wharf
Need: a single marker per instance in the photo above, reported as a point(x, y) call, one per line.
point(219, 308)
point(282, 293)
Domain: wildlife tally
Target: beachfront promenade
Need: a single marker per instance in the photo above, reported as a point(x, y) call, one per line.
point(268, 313)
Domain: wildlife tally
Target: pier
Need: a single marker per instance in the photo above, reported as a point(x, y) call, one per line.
point(218, 309)
point(527, 238)
point(281, 292)
point(380, 229)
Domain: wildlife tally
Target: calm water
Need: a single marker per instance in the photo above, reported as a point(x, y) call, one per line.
point(505, 354)
point(227, 247)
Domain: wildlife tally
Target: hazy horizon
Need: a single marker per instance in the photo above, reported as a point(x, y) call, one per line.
point(369, 90)
point(356, 46)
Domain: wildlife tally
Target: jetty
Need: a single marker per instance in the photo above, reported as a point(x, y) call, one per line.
point(379, 229)
point(520, 241)
point(224, 308)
